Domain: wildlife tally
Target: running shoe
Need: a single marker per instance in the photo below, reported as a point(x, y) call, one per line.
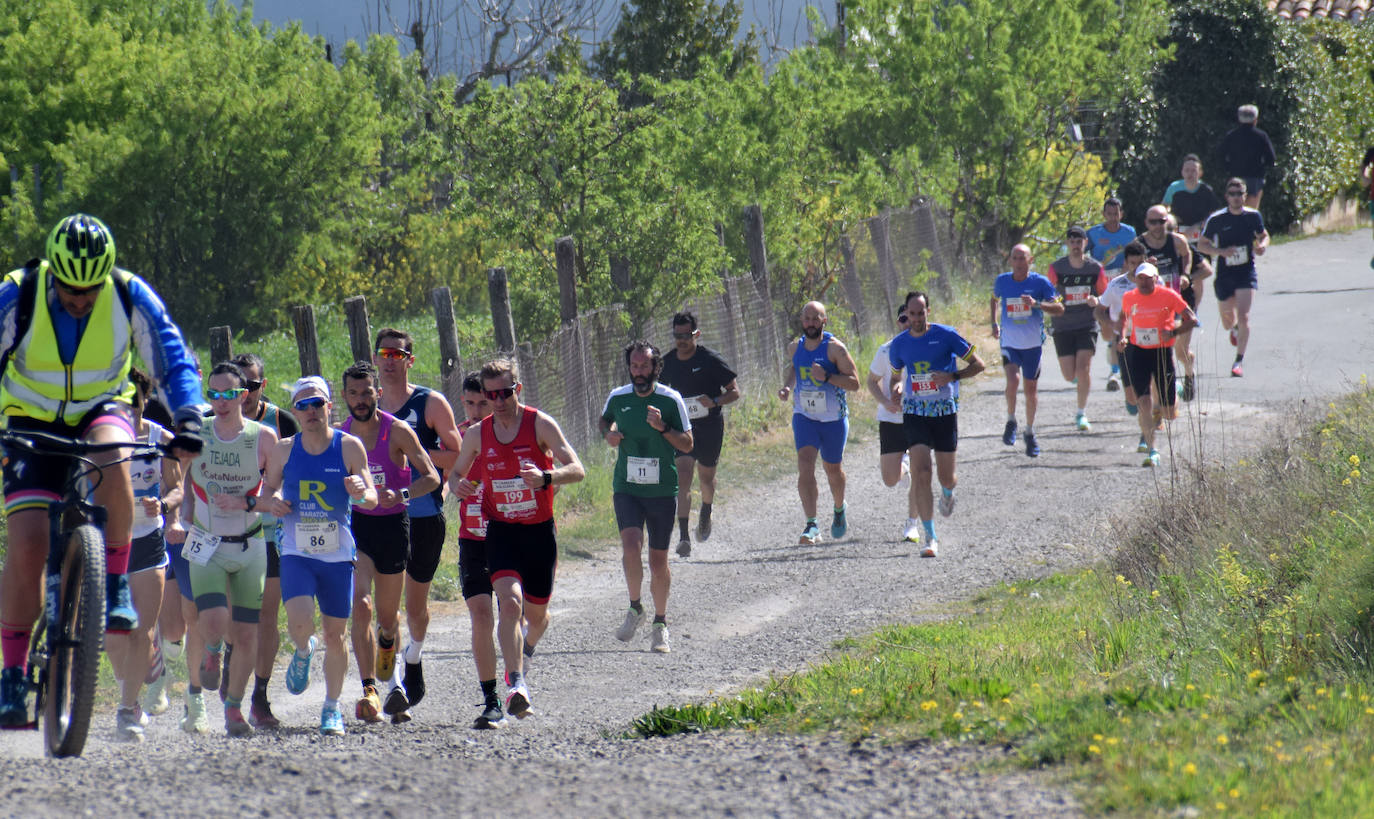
point(911, 533)
point(1236, 371)
point(1132, 409)
point(234, 723)
point(703, 527)
point(224, 672)
point(518, 701)
point(400, 718)
point(491, 718)
point(209, 667)
point(120, 617)
point(811, 535)
point(129, 724)
point(633, 620)
point(839, 525)
point(904, 482)
point(331, 722)
point(1142, 446)
point(386, 659)
point(1235, 337)
point(413, 681)
point(1152, 459)
point(369, 708)
point(1009, 433)
point(1032, 446)
point(194, 720)
point(154, 698)
point(1188, 390)
point(658, 639)
point(932, 548)
point(298, 670)
point(1113, 383)
point(946, 503)
point(684, 547)
point(14, 698)
point(1081, 421)
point(260, 716)
point(396, 701)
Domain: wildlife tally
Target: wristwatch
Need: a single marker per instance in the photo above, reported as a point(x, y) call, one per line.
point(548, 479)
point(405, 495)
point(251, 501)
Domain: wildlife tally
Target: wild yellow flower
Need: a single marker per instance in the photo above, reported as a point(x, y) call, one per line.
point(1190, 769)
point(1345, 482)
point(1354, 460)
point(928, 705)
point(1113, 740)
point(1188, 687)
point(854, 692)
point(1234, 793)
point(1256, 674)
point(1320, 691)
point(958, 715)
point(1154, 594)
point(1354, 473)
point(1221, 806)
point(1097, 737)
point(1222, 740)
point(1093, 749)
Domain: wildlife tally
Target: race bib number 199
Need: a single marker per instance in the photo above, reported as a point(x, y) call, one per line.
point(513, 496)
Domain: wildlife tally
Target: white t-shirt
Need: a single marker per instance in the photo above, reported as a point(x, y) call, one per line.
point(1116, 288)
point(882, 368)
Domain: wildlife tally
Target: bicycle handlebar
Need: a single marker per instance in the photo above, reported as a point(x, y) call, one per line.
point(44, 443)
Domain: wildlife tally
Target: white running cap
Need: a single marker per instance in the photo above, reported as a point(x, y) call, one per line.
point(309, 387)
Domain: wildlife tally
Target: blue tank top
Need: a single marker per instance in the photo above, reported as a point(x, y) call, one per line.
point(320, 523)
point(413, 413)
point(817, 400)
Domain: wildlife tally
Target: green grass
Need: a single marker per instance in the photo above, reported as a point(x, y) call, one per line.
point(1221, 663)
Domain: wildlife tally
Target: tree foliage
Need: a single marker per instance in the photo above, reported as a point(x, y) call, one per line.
point(674, 40)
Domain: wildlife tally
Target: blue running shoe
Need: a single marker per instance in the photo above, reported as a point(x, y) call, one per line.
point(14, 698)
point(1009, 433)
point(839, 525)
point(811, 535)
point(298, 672)
point(331, 722)
point(1032, 445)
point(120, 616)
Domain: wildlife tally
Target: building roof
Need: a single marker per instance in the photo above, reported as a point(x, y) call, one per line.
point(1352, 10)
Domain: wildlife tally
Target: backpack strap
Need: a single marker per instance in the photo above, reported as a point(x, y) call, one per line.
point(28, 288)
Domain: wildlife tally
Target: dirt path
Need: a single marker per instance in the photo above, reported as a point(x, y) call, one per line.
point(749, 602)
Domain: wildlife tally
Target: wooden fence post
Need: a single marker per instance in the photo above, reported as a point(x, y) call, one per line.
point(221, 345)
point(853, 288)
point(565, 251)
point(502, 323)
point(307, 340)
point(359, 331)
point(877, 231)
point(450, 361)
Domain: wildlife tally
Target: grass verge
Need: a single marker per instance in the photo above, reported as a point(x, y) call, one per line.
point(1220, 664)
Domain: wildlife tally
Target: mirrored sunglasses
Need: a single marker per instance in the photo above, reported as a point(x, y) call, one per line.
point(225, 395)
point(504, 392)
point(393, 354)
point(310, 403)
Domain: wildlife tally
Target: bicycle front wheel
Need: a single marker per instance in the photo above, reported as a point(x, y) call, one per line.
point(74, 646)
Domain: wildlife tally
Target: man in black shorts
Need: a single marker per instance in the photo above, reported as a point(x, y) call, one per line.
point(706, 383)
point(892, 446)
point(1235, 236)
point(1169, 252)
point(1081, 280)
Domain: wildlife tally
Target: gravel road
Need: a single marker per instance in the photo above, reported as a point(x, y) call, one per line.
point(749, 602)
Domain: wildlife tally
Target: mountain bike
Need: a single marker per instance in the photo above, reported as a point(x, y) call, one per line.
point(64, 654)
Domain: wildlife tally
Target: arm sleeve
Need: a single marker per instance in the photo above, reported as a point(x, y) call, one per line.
point(163, 349)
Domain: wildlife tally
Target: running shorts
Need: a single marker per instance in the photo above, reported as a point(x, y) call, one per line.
point(1155, 364)
point(426, 547)
point(708, 436)
point(655, 515)
point(385, 539)
point(827, 436)
point(1227, 284)
point(148, 552)
point(891, 438)
point(34, 481)
point(527, 552)
point(1071, 342)
point(1027, 360)
point(330, 583)
point(939, 432)
point(239, 564)
point(472, 568)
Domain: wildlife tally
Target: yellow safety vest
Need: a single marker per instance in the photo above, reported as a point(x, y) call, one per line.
point(38, 384)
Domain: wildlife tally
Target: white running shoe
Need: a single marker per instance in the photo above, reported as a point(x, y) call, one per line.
point(129, 724)
point(946, 503)
point(912, 532)
point(932, 547)
point(658, 639)
point(626, 632)
point(155, 695)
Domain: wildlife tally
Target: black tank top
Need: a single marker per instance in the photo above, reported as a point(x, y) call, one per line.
point(1166, 260)
point(413, 413)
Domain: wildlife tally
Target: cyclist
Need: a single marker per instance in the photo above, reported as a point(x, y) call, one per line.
point(68, 325)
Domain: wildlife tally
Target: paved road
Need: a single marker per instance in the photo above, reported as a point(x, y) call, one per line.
point(750, 602)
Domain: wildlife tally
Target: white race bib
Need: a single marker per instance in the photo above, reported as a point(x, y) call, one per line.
point(1192, 232)
point(923, 384)
point(1017, 310)
point(200, 546)
point(513, 496)
point(696, 409)
point(1240, 254)
point(812, 402)
point(1147, 337)
point(641, 470)
point(378, 475)
point(1077, 295)
point(317, 536)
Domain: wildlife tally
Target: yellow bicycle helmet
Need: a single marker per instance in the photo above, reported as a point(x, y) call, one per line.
point(81, 251)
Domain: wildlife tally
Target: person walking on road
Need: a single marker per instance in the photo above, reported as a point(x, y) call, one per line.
point(1020, 300)
point(820, 372)
point(514, 451)
point(925, 372)
point(707, 384)
point(1246, 152)
point(648, 424)
point(1235, 236)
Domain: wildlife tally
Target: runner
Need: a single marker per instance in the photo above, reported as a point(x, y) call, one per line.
point(1171, 256)
point(1021, 298)
point(1105, 242)
point(892, 454)
point(258, 408)
point(924, 370)
point(132, 656)
point(1081, 279)
point(431, 417)
point(514, 451)
point(1236, 236)
point(821, 370)
point(382, 535)
point(648, 424)
point(313, 481)
point(69, 324)
point(222, 536)
point(707, 383)
point(1191, 200)
point(1367, 182)
point(1146, 333)
point(1108, 313)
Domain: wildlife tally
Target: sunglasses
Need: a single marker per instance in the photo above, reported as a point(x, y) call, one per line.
point(310, 403)
point(225, 395)
point(901, 319)
point(77, 291)
point(504, 392)
point(1154, 221)
point(684, 336)
point(252, 386)
point(393, 354)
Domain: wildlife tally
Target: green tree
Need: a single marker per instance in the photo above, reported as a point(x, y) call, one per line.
point(674, 39)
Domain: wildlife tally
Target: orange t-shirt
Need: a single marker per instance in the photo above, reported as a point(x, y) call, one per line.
point(1149, 317)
